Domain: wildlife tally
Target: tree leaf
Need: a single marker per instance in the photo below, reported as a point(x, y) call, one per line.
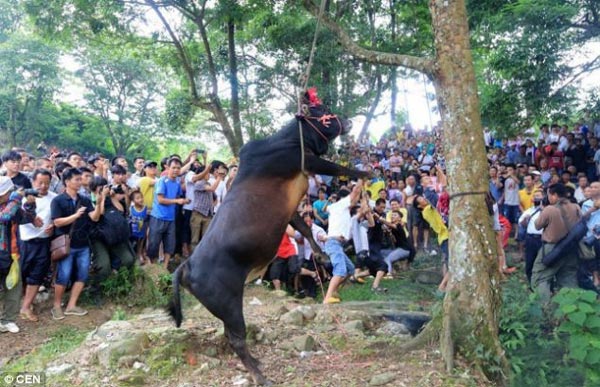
point(568, 308)
point(578, 318)
point(589, 296)
point(593, 322)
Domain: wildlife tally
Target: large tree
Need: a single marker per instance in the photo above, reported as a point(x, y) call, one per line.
point(473, 300)
point(125, 91)
point(28, 78)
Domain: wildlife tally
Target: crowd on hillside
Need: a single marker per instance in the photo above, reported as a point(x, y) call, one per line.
point(115, 216)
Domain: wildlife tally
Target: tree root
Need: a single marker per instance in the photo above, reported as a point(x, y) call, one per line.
point(429, 335)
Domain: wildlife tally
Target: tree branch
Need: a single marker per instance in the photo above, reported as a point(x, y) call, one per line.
point(424, 65)
point(594, 64)
point(189, 71)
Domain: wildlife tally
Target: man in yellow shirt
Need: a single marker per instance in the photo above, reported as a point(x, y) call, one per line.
point(436, 223)
point(526, 194)
point(146, 183)
point(375, 184)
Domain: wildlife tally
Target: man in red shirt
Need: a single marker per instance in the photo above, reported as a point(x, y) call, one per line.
point(556, 158)
point(285, 266)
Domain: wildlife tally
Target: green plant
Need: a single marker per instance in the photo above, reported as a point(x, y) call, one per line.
point(580, 313)
point(119, 315)
point(536, 354)
point(137, 287)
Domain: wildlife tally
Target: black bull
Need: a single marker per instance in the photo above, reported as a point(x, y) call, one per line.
point(249, 225)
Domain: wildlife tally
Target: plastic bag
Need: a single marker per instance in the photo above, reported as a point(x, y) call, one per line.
point(12, 279)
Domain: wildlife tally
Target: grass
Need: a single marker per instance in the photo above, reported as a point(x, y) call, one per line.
point(402, 289)
point(61, 341)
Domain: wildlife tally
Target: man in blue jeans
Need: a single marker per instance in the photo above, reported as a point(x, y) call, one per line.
point(339, 232)
point(73, 214)
point(167, 194)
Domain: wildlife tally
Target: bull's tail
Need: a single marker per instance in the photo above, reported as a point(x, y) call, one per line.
point(174, 307)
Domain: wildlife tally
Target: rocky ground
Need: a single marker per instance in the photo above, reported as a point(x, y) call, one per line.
point(300, 343)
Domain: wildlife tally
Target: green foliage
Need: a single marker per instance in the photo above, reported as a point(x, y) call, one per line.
point(28, 77)
point(581, 322)
point(119, 315)
point(535, 353)
point(134, 287)
point(124, 91)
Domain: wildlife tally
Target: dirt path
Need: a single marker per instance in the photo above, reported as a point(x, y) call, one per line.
point(34, 334)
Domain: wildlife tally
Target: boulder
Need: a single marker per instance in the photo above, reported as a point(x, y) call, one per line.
point(324, 316)
point(392, 328)
point(382, 379)
point(132, 346)
point(59, 369)
point(304, 343)
point(307, 311)
point(293, 317)
point(132, 378)
point(354, 326)
point(113, 331)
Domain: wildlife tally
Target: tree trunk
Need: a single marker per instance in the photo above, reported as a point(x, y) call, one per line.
point(394, 70)
point(233, 80)
point(373, 107)
point(472, 303)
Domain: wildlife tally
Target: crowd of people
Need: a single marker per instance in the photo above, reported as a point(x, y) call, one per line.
point(116, 216)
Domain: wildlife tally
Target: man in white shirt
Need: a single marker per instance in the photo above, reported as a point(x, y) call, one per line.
point(579, 192)
point(308, 270)
point(35, 249)
point(138, 164)
point(533, 239)
point(339, 232)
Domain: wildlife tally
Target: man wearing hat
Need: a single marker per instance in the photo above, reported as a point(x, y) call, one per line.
point(11, 215)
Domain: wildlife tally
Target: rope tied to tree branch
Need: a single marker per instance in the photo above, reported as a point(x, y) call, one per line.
point(304, 78)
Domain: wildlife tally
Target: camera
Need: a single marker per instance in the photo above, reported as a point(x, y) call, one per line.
point(199, 151)
point(117, 189)
point(31, 192)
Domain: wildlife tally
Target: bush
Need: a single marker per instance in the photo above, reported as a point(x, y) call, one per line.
point(535, 352)
point(138, 287)
point(580, 314)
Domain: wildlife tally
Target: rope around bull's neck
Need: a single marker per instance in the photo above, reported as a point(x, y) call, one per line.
point(301, 147)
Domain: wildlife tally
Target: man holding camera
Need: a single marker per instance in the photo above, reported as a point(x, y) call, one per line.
point(11, 215)
point(204, 200)
point(35, 247)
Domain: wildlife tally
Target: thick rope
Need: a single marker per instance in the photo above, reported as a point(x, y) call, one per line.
point(314, 45)
point(454, 196)
point(304, 78)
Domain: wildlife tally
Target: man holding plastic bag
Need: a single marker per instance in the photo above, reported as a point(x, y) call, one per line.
point(11, 215)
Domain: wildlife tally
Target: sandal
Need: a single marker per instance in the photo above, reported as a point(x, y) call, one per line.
point(28, 315)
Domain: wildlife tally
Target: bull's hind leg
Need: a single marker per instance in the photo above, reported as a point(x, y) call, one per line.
point(226, 303)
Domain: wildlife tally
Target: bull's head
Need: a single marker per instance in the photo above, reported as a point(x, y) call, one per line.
point(319, 124)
